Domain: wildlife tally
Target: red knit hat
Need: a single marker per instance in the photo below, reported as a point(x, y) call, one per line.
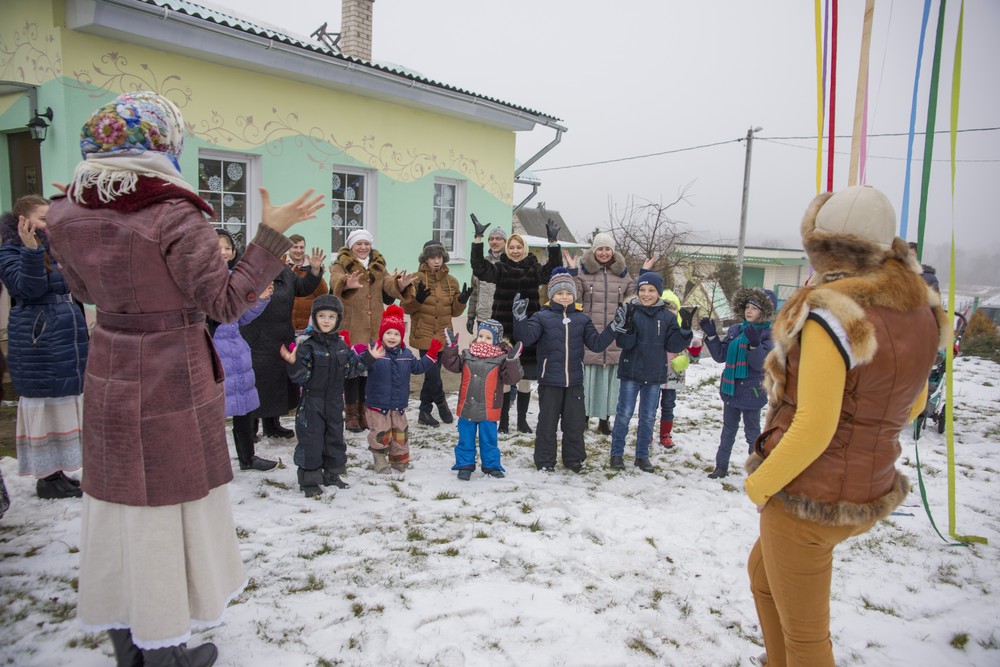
point(392, 318)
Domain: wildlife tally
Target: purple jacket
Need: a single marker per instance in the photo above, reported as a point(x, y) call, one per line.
point(234, 353)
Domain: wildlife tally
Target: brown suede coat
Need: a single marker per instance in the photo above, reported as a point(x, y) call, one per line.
point(363, 307)
point(429, 319)
point(303, 304)
point(154, 429)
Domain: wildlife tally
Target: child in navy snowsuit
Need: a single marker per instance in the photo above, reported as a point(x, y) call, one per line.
point(651, 330)
point(387, 392)
point(744, 349)
point(561, 331)
point(321, 362)
point(487, 367)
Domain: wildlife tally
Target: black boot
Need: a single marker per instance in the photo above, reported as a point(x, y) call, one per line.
point(127, 654)
point(425, 417)
point(244, 452)
point(181, 656)
point(604, 426)
point(504, 426)
point(331, 478)
point(523, 398)
point(445, 412)
point(644, 465)
point(718, 473)
point(54, 486)
point(274, 429)
point(617, 462)
point(310, 481)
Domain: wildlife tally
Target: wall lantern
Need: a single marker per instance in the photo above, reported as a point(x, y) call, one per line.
point(37, 125)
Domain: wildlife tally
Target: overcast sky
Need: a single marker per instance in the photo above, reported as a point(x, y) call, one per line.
point(650, 76)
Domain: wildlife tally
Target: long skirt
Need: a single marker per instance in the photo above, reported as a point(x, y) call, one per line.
point(48, 435)
point(600, 390)
point(158, 571)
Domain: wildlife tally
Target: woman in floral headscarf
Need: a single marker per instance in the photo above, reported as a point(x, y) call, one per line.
point(158, 551)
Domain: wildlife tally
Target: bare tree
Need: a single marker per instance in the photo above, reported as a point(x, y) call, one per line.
point(643, 229)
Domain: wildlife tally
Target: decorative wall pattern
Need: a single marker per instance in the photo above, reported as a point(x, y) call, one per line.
point(29, 55)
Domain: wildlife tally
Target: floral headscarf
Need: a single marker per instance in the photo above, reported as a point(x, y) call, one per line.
point(137, 134)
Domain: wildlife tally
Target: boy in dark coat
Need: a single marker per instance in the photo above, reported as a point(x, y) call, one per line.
point(562, 332)
point(320, 363)
point(650, 332)
point(486, 367)
point(744, 349)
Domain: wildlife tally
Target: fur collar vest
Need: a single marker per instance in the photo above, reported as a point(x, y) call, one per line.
point(350, 263)
point(589, 264)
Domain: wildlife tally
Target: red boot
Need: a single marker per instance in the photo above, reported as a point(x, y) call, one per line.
point(665, 428)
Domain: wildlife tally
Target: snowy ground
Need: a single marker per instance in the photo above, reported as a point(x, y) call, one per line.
point(603, 568)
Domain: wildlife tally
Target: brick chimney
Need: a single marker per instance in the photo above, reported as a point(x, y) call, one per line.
point(356, 28)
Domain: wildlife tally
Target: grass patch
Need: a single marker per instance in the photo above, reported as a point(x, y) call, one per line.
point(959, 640)
point(640, 646)
point(415, 535)
point(274, 484)
point(867, 603)
point(536, 526)
point(322, 551)
point(446, 495)
point(312, 583)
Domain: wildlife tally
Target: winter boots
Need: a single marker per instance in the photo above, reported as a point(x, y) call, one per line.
point(331, 478)
point(445, 412)
point(244, 451)
point(604, 426)
point(644, 465)
point(181, 656)
point(58, 485)
point(127, 654)
point(617, 462)
point(523, 398)
point(426, 418)
point(362, 416)
point(504, 425)
point(665, 428)
point(381, 461)
point(310, 482)
point(274, 429)
point(465, 475)
point(718, 473)
point(352, 421)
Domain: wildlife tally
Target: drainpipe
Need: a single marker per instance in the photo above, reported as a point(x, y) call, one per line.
point(534, 158)
point(534, 191)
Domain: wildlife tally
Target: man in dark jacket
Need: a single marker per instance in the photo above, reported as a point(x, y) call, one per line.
point(561, 332)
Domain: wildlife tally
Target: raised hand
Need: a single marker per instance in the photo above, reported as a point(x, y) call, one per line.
point(552, 230)
point(520, 307)
point(569, 261)
point(422, 292)
point(376, 350)
point(26, 230)
point(480, 228)
point(463, 296)
point(268, 291)
point(629, 314)
point(353, 281)
point(450, 339)
point(288, 355)
point(470, 324)
point(515, 350)
point(650, 263)
point(618, 323)
point(316, 261)
point(707, 326)
point(280, 218)
point(687, 314)
point(405, 279)
point(753, 335)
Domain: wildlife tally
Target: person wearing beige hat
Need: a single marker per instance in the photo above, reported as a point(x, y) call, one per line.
point(852, 352)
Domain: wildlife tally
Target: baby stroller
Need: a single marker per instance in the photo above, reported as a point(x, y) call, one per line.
point(936, 406)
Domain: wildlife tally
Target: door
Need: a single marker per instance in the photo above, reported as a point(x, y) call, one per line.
point(25, 165)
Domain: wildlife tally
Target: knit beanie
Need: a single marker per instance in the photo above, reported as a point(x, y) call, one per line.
point(561, 280)
point(650, 278)
point(392, 318)
point(603, 240)
point(494, 327)
point(359, 235)
point(497, 232)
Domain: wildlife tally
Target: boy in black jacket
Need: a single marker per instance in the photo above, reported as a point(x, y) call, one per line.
point(651, 330)
point(320, 363)
point(561, 332)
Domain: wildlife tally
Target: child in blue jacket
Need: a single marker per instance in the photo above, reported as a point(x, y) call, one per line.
point(561, 332)
point(743, 350)
point(651, 331)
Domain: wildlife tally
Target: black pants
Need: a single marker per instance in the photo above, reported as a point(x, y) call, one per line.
point(432, 390)
point(243, 434)
point(555, 403)
point(319, 427)
point(354, 390)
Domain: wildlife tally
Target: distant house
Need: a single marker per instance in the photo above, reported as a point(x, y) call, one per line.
point(404, 156)
point(530, 223)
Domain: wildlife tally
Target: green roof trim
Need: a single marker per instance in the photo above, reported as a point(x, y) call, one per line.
point(747, 259)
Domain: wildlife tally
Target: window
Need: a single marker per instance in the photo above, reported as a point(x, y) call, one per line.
point(224, 181)
point(448, 204)
point(349, 209)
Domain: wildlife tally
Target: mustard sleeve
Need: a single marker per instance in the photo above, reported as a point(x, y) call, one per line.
point(919, 404)
point(822, 375)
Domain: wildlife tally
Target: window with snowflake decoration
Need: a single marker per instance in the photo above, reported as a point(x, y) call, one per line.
point(223, 184)
point(445, 212)
point(347, 204)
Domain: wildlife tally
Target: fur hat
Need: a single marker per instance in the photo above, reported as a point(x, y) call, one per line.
point(433, 248)
point(359, 235)
point(328, 302)
point(755, 296)
point(851, 233)
point(237, 251)
point(392, 318)
point(602, 240)
point(494, 327)
point(497, 232)
point(561, 280)
point(650, 278)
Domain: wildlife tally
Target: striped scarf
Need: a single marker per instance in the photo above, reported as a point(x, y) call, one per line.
point(736, 359)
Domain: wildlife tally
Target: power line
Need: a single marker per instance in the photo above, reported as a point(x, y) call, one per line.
point(870, 155)
point(771, 139)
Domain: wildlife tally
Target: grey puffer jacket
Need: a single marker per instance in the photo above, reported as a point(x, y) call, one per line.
point(481, 300)
point(600, 289)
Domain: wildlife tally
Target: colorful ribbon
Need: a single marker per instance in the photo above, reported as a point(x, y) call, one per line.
point(913, 122)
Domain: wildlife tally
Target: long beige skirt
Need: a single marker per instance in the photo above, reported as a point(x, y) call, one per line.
point(48, 435)
point(159, 571)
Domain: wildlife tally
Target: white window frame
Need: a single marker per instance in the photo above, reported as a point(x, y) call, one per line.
point(252, 165)
point(369, 198)
point(458, 252)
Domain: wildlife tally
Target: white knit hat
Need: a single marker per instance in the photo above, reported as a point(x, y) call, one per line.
point(603, 240)
point(359, 235)
point(861, 211)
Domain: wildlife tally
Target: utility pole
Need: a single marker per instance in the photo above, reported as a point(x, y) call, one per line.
point(746, 197)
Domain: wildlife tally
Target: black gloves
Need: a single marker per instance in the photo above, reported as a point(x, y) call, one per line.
point(480, 229)
point(470, 324)
point(463, 296)
point(707, 326)
point(687, 316)
point(551, 230)
point(422, 292)
point(753, 335)
point(450, 339)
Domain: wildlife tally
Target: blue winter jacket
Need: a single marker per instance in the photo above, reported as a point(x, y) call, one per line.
point(46, 330)
point(748, 394)
point(654, 332)
point(234, 352)
point(561, 333)
point(388, 386)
